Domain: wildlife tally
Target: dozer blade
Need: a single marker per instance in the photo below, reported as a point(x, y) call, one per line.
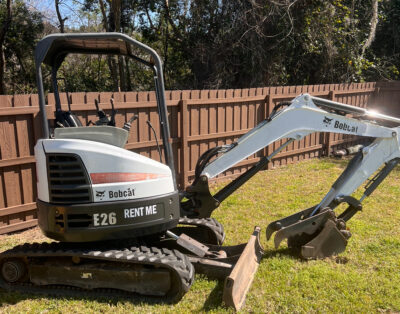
point(239, 281)
point(318, 236)
point(236, 264)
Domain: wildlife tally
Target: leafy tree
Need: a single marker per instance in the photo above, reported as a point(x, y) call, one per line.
point(385, 50)
point(19, 43)
point(216, 43)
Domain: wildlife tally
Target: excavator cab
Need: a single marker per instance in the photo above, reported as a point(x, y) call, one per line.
point(89, 187)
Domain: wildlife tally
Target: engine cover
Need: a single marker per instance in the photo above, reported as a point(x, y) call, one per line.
point(91, 191)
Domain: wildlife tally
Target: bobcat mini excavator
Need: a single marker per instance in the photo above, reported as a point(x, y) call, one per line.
point(122, 225)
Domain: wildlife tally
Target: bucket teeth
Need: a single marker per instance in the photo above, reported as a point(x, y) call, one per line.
point(318, 236)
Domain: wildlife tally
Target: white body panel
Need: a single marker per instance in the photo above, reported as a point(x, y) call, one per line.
point(103, 158)
point(41, 173)
point(301, 118)
point(382, 150)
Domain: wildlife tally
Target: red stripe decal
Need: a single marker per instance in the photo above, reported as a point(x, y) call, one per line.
point(113, 177)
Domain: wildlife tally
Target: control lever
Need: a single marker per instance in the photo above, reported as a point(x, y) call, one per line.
point(103, 120)
point(66, 118)
point(127, 125)
point(113, 112)
point(155, 136)
point(66, 91)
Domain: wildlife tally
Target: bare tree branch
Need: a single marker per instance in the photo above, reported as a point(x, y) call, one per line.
point(149, 18)
point(171, 22)
point(61, 20)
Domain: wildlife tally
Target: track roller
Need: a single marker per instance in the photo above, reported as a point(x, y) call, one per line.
point(13, 270)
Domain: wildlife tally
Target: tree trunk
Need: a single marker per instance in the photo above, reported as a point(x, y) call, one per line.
point(3, 89)
point(372, 32)
point(128, 75)
point(3, 32)
point(110, 60)
point(60, 19)
point(103, 13)
point(121, 73)
point(114, 72)
point(165, 63)
point(116, 8)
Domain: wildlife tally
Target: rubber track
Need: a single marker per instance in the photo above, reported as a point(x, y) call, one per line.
point(210, 223)
point(173, 260)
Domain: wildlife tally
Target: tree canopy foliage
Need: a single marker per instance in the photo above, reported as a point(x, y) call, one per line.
point(213, 44)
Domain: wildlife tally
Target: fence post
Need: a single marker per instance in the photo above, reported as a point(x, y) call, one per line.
point(184, 143)
point(267, 108)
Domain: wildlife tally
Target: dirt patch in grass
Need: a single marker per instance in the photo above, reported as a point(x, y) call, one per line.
point(31, 235)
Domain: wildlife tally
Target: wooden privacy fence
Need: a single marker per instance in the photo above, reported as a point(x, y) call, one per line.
point(199, 120)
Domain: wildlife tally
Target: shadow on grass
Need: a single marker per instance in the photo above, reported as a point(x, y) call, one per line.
point(295, 254)
point(13, 297)
point(214, 299)
point(284, 251)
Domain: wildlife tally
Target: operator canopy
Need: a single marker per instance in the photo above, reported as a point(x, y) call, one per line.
point(53, 49)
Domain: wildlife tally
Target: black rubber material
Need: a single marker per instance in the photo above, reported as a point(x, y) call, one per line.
point(182, 271)
point(213, 231)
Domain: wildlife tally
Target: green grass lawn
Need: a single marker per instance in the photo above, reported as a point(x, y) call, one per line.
point(364, 278)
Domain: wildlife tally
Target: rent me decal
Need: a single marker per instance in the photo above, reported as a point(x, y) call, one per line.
point(140, 211)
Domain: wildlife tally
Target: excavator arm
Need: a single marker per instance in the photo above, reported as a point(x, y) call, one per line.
point(316, 231)
point(301, 118)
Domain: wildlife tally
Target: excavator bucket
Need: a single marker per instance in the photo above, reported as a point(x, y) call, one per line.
point(236, 264)
point(318, 236)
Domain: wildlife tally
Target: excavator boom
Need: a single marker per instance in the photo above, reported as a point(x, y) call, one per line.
point(301, 118)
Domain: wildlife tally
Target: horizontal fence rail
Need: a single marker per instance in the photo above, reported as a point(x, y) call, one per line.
point(199, 120)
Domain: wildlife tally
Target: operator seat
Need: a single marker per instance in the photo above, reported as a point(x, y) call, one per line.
point(103, 134)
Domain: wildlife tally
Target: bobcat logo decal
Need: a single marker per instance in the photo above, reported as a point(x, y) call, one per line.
point(327, 121)
point(100, 194)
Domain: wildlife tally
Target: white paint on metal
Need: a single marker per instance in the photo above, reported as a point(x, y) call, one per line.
point(102, 158)
point(296, 121)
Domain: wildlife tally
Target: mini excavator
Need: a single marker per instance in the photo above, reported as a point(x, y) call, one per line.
point(122, 226)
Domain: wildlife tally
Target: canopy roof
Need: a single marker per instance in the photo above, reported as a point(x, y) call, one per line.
point(52, 49)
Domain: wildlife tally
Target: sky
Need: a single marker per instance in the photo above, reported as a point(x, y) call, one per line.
point(67, 7)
